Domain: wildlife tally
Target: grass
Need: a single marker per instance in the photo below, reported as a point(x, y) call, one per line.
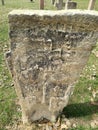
point(83, 128)
point(80, 105)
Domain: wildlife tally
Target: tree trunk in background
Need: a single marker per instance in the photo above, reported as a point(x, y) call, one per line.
point(41, 4)
point(2, 2)
point(91, 4)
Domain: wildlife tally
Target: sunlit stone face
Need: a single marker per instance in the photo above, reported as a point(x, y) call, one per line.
point(48, 52)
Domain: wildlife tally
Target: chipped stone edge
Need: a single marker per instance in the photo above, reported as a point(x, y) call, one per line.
point(53, 13)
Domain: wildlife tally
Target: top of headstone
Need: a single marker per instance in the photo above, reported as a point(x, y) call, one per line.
point(53, 13)
point(77, 18)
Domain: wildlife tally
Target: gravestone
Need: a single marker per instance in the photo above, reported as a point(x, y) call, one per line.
point(49, 49)
point(70, 5)
point(59, 4)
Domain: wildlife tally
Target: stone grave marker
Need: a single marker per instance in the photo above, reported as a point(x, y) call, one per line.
point(59, 4)
point(49, 50)
point(70, 4)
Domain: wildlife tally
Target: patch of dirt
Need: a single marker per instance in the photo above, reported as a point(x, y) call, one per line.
point(65, 125)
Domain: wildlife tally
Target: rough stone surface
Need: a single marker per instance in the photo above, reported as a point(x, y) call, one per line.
point(48, 52)
point(71, 5)
point(59, 4)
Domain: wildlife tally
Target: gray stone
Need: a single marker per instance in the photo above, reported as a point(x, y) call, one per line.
point(59, 4)
point(48, 52)
point(71, 5)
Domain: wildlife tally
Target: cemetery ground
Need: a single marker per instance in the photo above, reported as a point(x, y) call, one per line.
point(82, 110)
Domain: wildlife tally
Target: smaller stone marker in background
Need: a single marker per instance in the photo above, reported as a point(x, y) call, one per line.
point(70, 4)
point(52, 2)
point(59, 4)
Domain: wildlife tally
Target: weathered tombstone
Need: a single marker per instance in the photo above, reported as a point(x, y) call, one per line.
point(91, 4)
point(49, 49)
point(59, 4)
point(70, 5)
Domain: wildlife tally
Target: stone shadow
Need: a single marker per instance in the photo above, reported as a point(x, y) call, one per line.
point(81, 109)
